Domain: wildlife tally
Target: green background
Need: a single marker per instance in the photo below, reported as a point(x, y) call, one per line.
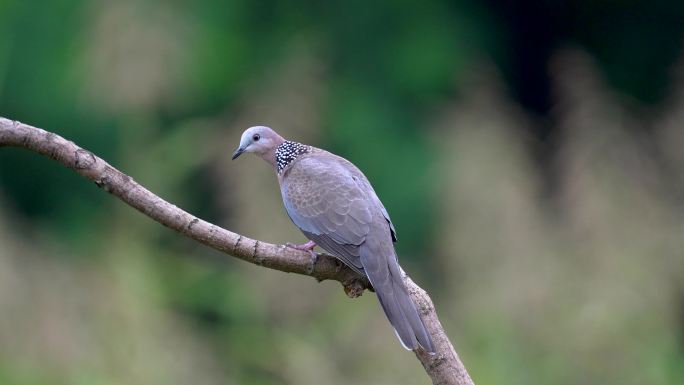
point(528, 152)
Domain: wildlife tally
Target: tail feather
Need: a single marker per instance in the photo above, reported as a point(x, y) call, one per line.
point(395, 313)
point(398, 305)
point(408, 307)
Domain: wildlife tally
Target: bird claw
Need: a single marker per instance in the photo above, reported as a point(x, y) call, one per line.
point(308, 247)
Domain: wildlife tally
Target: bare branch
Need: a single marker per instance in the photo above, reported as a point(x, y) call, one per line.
point(443, 368)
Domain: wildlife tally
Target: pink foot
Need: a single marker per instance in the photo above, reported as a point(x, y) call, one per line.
point(303, 247)
point(309, 246)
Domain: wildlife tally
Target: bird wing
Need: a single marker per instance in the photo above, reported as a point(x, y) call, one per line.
point(367, 187)
point(378, 203)
point(330, 205)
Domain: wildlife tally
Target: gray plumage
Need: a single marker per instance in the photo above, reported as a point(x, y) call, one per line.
point(334, 205)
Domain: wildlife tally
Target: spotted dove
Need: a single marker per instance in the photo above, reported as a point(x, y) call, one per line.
point(334, 205)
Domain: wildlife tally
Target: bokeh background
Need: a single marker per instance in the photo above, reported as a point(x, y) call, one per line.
point(530, 154)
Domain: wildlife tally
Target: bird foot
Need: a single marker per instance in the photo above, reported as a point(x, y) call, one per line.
point(309, 246)
point(303, 247)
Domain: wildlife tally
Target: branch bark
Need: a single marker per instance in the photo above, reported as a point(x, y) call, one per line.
point(444, 368)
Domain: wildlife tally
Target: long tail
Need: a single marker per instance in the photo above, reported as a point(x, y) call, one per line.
point(397, 304)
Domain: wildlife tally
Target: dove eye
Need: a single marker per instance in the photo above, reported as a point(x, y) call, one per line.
point(256, 137)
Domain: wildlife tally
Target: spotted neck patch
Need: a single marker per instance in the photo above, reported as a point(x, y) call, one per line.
point(289, 151)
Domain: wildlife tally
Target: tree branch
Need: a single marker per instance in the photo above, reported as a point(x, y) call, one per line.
point(444, 368)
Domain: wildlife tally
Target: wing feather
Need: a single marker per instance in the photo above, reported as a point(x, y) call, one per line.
point(324, 200)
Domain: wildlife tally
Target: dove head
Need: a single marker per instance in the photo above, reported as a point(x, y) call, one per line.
point(260, 140)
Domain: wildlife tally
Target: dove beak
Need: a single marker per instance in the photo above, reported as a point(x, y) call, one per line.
point(238, 152)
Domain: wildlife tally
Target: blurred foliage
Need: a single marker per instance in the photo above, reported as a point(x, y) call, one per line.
point(444, 105)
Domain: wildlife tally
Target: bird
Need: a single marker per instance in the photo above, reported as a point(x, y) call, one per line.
point(332, 202)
